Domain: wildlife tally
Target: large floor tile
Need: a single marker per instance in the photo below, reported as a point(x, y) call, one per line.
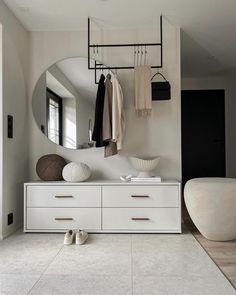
point(91, 264)
point(179, 285)
point(108, 255)
point(26, 262)
point(17, 284)
point(75, 285)
point(177, 263)
point(156, 255)
point(28, 253)
point(108, 244)
point(20, 240)
point(154, 244)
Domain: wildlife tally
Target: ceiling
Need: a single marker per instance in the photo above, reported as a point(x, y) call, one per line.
point(208, 42)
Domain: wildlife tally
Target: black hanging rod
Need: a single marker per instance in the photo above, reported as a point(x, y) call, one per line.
point(121, 68)
point(124, 45)
point(99, 66)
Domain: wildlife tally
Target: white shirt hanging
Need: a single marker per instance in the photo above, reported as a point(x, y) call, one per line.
point(118, 113)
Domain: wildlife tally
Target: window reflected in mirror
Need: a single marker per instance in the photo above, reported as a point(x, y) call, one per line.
point(54, 117)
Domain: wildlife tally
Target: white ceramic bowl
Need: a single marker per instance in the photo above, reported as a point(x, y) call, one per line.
point(144, 166)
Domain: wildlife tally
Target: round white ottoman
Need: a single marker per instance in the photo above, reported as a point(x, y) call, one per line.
point(211, 203)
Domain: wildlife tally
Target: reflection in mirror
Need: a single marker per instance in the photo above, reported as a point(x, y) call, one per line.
point(64, 103)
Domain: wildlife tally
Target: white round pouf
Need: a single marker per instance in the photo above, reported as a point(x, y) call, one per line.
point(211, 203)
point(76, 172)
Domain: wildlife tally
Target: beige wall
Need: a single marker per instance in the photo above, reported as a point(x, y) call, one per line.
point(14, 99)
point(39, 103)
point(159, 135)
point(1, 134)
point(226, 82)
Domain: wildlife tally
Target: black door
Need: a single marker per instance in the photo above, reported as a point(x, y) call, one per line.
point(203, 133)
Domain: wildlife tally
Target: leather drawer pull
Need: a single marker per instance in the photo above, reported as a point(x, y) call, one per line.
point(63, 218)
point(140, 218)
point(62, 197)
point(139, 196)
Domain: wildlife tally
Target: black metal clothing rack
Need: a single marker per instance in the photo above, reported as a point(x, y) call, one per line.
point(100, 66)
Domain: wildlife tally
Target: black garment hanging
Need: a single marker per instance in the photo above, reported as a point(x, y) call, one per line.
point(98, 120)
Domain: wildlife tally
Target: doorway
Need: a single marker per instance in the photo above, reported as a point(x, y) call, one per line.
point(203, 133)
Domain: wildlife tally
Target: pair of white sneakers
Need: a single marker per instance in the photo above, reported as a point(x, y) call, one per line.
point(79, 236)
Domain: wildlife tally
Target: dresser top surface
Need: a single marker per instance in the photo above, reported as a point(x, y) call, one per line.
point(102, 182)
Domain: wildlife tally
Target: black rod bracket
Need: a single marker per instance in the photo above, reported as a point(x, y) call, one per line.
point(100, 66)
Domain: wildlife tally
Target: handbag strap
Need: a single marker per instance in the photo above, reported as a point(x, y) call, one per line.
point(158, 73)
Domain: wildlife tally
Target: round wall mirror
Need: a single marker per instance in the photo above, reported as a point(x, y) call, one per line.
point(64, 103)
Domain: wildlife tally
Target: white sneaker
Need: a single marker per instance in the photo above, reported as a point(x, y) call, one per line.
point(81, 237)
point(69, 237)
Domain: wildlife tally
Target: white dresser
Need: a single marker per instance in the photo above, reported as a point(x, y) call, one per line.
point(103, 206)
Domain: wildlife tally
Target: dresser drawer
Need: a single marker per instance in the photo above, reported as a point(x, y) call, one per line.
point(63, 196)
point(140, 196)
point(148, 219)
point(63, 218)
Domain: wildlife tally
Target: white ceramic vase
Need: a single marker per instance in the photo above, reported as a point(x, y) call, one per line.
point(144, 166)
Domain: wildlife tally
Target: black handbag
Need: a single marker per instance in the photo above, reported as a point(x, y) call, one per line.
point(161, 90)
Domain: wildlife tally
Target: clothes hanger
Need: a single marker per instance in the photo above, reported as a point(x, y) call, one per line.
point(141, 55)
point(108, 76)
point(145, 55)
point(134, 56)
point(138, 56)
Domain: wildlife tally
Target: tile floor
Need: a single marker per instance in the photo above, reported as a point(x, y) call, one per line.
point(109, 264)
